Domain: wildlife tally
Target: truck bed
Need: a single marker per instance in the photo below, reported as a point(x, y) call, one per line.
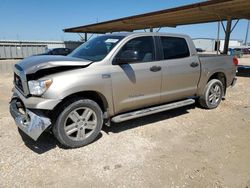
point(211, 63)
point(211, 55)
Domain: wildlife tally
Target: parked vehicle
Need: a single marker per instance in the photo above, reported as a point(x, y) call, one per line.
point(245, 51)
point(57, 51)
point(239, 52)
point(115, 78)
point(199, 50)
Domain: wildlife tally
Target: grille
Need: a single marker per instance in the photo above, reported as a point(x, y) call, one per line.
point(18, 82)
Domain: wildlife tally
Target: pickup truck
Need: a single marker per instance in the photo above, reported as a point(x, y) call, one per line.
point(114, 78)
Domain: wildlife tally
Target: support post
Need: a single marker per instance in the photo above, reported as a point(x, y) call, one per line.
point(248, 23)
point(218, 38)
point(151, 29)
point(85, 37)
point(227, 35)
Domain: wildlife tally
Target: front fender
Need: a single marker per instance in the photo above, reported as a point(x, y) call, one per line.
point(77, 81)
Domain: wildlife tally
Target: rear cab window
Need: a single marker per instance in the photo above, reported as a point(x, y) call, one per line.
point(174, 47)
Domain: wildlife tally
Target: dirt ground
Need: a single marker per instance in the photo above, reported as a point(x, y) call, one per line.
point(186, 147)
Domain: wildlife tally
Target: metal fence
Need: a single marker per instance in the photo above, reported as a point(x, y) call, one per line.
point(10, 49)
point(20, 51)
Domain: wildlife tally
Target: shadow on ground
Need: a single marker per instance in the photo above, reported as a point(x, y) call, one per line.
point(44, 143)
point(47, 141)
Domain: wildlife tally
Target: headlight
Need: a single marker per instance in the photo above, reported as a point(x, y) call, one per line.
point(38, 87)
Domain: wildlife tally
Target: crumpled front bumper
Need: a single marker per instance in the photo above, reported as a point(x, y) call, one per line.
point(31, 123)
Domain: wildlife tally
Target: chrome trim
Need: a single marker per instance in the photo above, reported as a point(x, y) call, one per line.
point(19, 72)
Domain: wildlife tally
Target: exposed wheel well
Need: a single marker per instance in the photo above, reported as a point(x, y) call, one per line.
point(92, 95)
point(220, 76)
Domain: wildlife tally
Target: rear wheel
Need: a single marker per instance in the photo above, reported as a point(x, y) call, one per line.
point(212, 95)
point(79, 123)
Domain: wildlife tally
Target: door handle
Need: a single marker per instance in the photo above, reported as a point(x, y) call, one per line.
point(194, 64)
point(155, 68)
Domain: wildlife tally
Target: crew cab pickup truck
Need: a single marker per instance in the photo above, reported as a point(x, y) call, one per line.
point(114, 78)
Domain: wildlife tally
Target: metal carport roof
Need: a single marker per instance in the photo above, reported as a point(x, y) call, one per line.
point(204, 12)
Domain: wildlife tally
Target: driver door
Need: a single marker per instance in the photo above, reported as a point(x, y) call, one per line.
point(136, 83)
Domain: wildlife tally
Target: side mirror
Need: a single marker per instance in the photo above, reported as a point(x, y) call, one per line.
point(128, 56)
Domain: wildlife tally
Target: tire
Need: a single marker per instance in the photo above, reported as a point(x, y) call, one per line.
point(79, 122)
point(212, 96)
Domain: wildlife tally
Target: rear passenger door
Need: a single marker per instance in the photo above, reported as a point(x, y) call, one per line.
point(180, 69)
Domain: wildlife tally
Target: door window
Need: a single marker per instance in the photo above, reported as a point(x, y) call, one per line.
point(142, 46)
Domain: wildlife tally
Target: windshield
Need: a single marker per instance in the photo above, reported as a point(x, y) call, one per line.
point(97, 48)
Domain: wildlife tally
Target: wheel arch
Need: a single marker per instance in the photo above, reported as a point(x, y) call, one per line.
point(96, 96)
point(220, 76)
point(207, 76)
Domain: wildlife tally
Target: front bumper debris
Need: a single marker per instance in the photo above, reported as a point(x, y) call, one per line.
point(31, 123)
point(36, 102)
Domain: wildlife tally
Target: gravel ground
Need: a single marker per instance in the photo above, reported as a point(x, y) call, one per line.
point(187, 147)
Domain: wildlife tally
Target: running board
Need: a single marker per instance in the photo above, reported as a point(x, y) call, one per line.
point(151, 110)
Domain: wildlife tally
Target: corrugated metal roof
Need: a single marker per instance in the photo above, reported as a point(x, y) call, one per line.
point(204, 12)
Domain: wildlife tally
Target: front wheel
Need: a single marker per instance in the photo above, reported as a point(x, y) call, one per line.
point(212, 95)
point(79, 123)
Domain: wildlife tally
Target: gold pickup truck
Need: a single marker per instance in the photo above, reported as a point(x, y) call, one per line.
point(114, 78)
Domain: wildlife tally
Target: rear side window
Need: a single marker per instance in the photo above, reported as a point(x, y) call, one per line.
point(174, 47)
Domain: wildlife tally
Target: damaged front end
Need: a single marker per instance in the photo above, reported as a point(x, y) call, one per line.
point(29, 109)
point(30, 122)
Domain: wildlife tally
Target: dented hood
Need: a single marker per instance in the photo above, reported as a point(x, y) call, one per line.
point(32, 64)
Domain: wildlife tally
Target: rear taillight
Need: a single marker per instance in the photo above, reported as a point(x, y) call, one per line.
point(235, 61)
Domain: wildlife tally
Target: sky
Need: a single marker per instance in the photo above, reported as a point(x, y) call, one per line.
point(46, 19)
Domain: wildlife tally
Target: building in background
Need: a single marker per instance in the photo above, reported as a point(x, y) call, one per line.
point(17, 49)
point(210, 44)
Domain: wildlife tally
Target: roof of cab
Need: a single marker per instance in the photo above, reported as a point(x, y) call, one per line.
point(125, 34)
